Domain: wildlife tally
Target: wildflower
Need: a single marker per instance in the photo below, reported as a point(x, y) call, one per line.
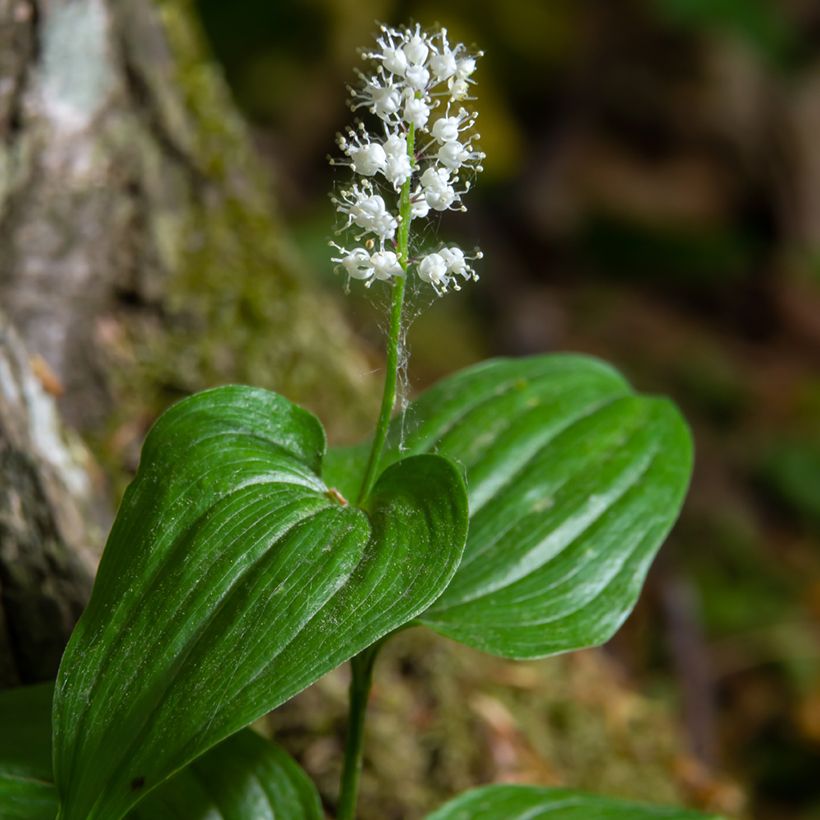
point(433, 270)
point(386, 265)
point(416, 111)
point(368, 211)
point(397, 169)
point(356, 262)
point(438, 192)
point(458, 264)
point(419, 156)
point(453, 155)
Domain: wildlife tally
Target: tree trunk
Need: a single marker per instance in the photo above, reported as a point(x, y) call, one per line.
point(140, 259)
point(47, 523)
point(134, 218)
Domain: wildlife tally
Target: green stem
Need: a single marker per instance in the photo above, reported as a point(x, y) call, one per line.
point(362, 665)
point(362, 677)
point(393, 335)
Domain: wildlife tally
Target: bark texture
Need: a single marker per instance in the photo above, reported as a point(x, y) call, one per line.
point(140, 259)
point(136, 229)
point(47, 523)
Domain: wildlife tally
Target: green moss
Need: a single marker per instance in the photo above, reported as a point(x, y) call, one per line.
point(235, 304)
point(443, 718)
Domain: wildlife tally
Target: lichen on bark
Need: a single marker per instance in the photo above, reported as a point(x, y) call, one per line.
point(140, 251)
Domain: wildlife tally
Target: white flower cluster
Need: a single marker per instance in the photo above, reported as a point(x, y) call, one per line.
point(424, 148)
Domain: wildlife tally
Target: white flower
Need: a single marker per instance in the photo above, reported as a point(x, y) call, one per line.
point(367, 160)
point(438, 192)
point(448, 128)
point(386, 265)
point(397, 169)
point(419, 207)
point(465, 67)
point(435, 179)
point(443, 65)
point(416, 111)
point(411, 73)
point(417, 77)
point(391, 55)
point(416, 49)
point(459, 88)
point(368, 211)
point(443, 61)
point(445, 129)
point(433, 270)
point(453, 155)
point(457, 263)
point(380, 97)
point(395, 61)
point(356, 262)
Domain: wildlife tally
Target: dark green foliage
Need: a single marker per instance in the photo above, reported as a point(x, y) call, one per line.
point(530, 802)
point(573, 481)
point(235, 575)
point(231, 580)
point(244, 777)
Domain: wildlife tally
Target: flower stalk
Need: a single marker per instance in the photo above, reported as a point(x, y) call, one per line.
point(391, 372)
point(417, 159)
point(361, 680)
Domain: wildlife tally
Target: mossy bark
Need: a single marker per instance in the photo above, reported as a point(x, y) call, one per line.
point(141, 258)
point(49, 522)
point(138, 243)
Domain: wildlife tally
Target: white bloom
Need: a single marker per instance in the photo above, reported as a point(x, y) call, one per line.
point(443, 65)
point(380, 97)
point(438, 192)
point(445, 129)
point(411, 73)
point(397, 169)
point(453, 155)
point(356, 263)
point(457, 264)
point(416, 111)
point(368, 211)
point(416, 49)
point(443, 61)
point(417, 77)
point(394, 60)
point(433, 270)
point(386, 101)
point(448, 128)
point(386, 265)
point(419, 207)
point(459, 88)
point(367, 159)
point(391, 55)
point(465, 67)
point(435, 178)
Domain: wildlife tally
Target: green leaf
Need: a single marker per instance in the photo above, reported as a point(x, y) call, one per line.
point(530, 802)
point(243, 777)
point(573, 482)
point(26, 787)
point(231, 580)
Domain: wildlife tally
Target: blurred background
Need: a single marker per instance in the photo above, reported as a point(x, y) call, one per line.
point(651, 196)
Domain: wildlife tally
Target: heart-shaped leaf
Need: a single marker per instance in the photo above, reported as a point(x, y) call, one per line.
point(232, 579)
point(243, 777)
point(573, 482)
point(530, 802)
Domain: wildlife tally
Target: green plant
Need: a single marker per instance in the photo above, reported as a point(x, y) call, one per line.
point(514, 507)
